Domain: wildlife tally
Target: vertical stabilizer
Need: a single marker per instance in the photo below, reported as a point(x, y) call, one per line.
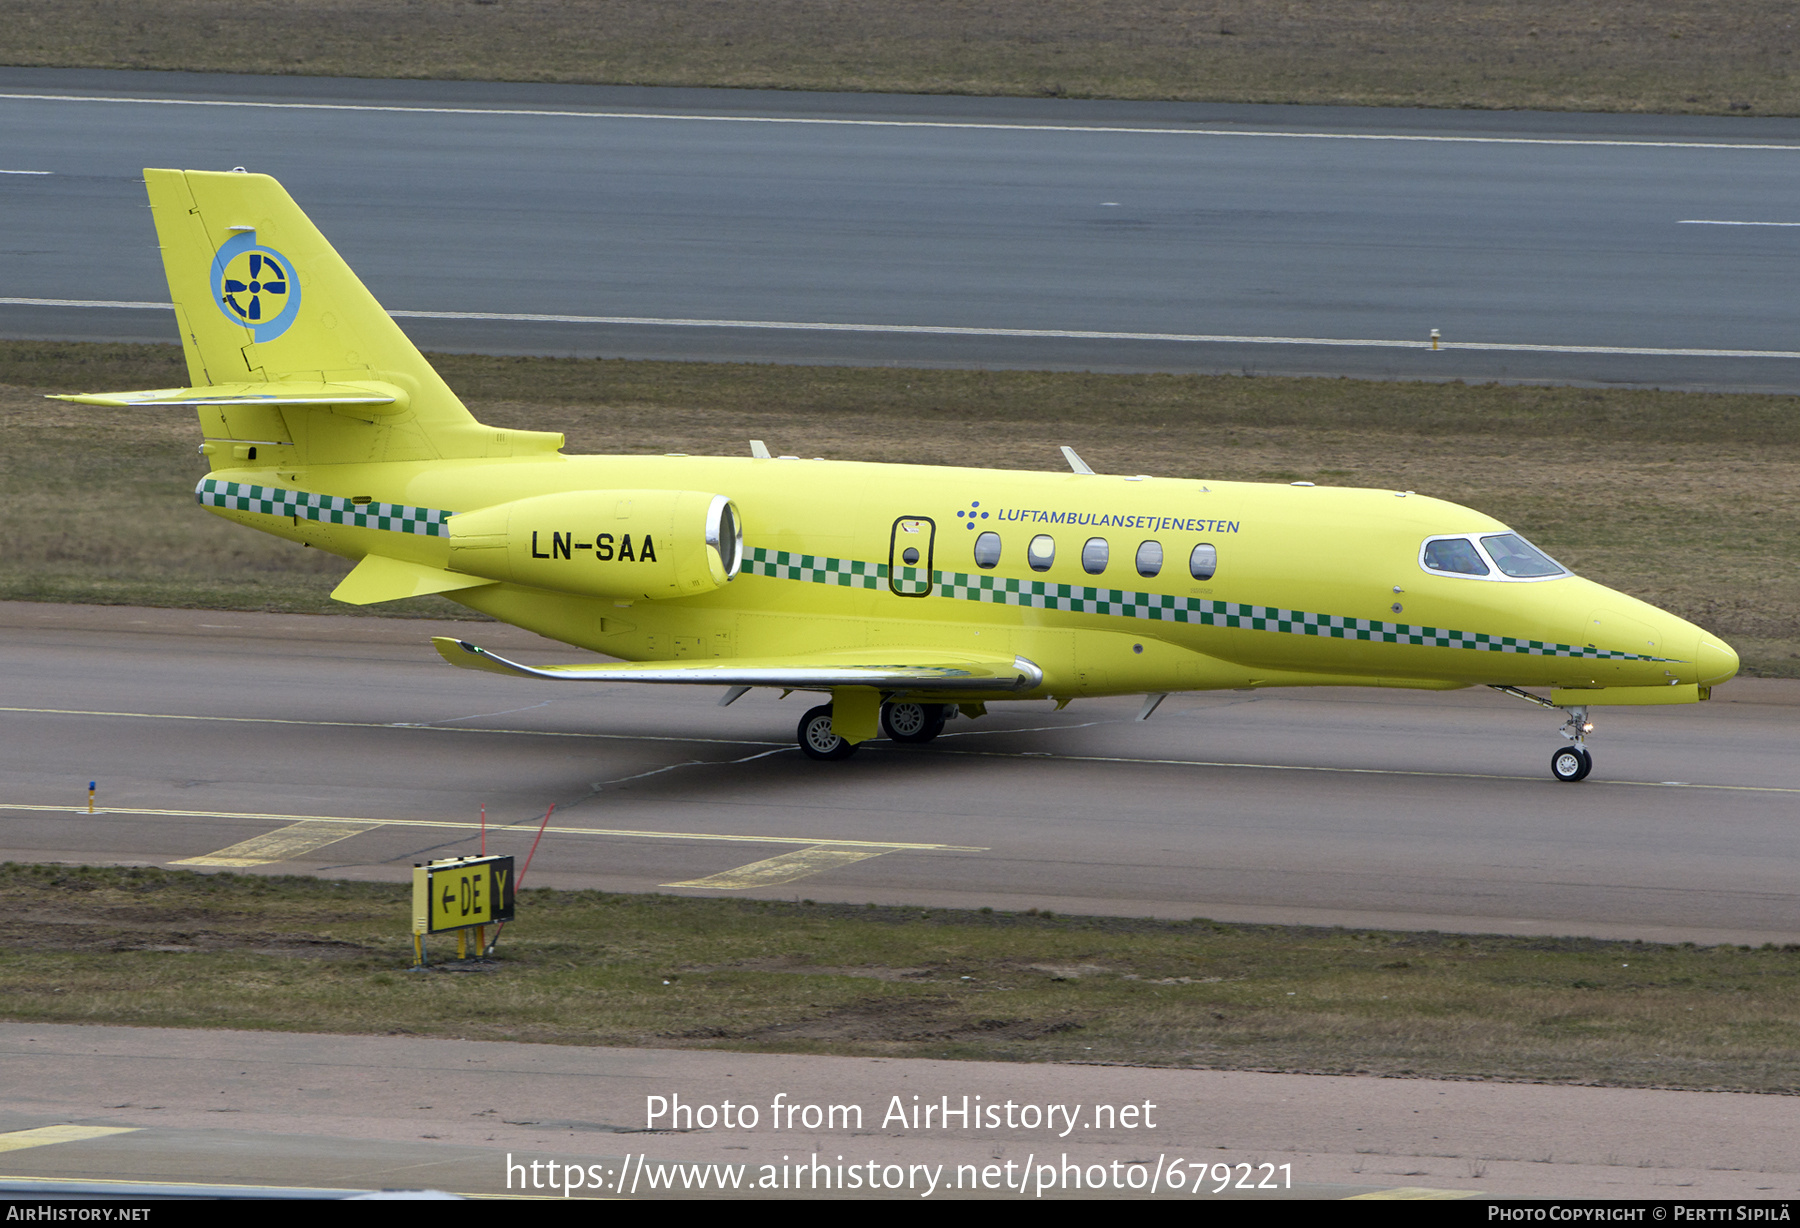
point(262, 298)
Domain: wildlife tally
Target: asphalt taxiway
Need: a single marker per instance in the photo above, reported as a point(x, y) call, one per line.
point(269, 1109)
point(344, 746)
point(780, 226)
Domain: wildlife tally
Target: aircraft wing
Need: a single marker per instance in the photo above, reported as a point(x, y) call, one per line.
point(902, 669)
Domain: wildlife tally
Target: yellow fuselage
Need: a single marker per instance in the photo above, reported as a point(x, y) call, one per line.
point(1313, 585)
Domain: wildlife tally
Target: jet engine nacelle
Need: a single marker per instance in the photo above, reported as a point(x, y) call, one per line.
point(623, 544)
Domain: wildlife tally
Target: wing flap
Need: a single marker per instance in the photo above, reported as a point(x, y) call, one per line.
point(902, 669)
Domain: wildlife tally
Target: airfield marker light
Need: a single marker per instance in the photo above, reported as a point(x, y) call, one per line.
point(1434, 338)
point(92, 785)
point(484, 831)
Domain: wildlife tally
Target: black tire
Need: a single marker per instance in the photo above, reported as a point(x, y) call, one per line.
point(1571, 763)
point(914, 723)
point(816, 739)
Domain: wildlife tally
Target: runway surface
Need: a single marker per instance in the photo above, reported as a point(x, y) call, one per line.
point(343, 746)
point(376, 1111)
point(791, 227)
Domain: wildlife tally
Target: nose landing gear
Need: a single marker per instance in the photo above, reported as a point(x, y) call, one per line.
point(1572, 762)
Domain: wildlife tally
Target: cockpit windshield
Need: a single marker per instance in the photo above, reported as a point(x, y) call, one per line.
point(1496, 556)
point(1518, 558)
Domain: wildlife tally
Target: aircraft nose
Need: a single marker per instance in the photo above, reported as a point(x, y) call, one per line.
point(1716, 660)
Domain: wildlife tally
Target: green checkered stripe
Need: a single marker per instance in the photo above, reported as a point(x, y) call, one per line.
point(329, 509)
point(1161, 607)
point(813, 569)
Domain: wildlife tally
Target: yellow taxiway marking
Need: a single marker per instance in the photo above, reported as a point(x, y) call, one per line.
point(996, 754)
point(1416, 1192)
point(1352, 771)
point(135, 1182)
point(783, 868)
point(209, 1186)
point(284, 844)
point(880, 846)
point(43, 1136)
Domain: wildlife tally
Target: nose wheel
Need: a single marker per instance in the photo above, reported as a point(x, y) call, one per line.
point(1571, 763)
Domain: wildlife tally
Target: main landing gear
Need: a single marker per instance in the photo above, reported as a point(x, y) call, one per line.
point(817, 741)
point(903, 722)
point(914, 723)
point(1572, 762)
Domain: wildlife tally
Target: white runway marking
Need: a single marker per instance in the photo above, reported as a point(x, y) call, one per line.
point(25, 172)
point(1103, 129)
point(422, 726)
point(1057, 334)
point(83, 302)
point(1696, 221)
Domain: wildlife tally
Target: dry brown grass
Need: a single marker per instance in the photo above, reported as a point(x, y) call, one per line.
point(1690, 501)
point(163, 948)
point(1705, 56)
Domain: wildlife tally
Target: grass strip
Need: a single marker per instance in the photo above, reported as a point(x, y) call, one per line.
point(1710, 57)
point(1690, 501)
point(165, 948)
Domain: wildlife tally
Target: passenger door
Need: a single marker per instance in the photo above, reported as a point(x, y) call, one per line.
point(910, 556)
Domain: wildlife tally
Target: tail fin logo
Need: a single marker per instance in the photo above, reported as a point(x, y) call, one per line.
point(255, 286)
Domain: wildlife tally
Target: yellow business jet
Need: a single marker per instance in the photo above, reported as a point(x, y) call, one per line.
point(908, 594)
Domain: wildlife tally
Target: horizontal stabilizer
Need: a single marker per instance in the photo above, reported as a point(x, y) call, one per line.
point(283, 392)
point(888, 670)
point(379, 578)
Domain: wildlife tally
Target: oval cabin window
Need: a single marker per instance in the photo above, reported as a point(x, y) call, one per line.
point(1149, 558)
point(987, 550)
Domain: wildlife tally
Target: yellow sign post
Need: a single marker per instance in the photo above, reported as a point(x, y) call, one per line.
point(460, 894)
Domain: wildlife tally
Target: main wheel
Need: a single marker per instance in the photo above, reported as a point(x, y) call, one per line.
point(1571, 763)
point(816, 738)
point(906, 722)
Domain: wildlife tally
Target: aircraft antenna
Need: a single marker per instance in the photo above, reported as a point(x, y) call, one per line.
point(1075, 462)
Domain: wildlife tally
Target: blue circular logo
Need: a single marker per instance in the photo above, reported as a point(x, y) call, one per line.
point(255, 286)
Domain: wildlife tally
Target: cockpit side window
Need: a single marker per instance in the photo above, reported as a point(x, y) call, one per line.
point(1520, 559)
point(1456, 555)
